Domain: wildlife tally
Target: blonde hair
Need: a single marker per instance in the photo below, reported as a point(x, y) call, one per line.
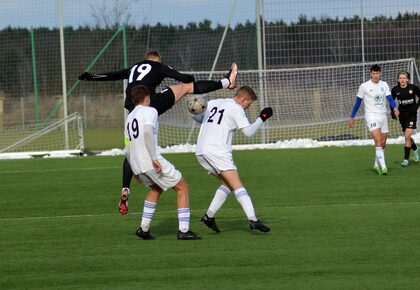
point(153, 54)
point(247, 90)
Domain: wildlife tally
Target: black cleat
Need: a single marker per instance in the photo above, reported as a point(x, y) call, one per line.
point(210, 222)
point(187, 236)
point(257, 225)
point(144, 235)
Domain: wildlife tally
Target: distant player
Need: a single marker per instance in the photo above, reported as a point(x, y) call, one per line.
point(374, 93)
point(214, 151)
point(405, 94)
point(141, 131)
point(151, 72)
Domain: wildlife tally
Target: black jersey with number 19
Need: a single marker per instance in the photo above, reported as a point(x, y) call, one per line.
point(148, 73)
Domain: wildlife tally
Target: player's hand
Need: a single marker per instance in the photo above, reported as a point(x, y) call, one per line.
point(393, 115)
point(157, 166)
point(351, 122)
point(266, 113)
point(396, 112)
point(86, 76)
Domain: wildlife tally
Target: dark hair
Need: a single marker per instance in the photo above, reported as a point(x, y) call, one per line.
point(375, 67)
point(139, 93)
point(403, 72)
point(247, 90)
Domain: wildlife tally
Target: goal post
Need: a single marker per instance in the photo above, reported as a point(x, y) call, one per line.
point(35, 141)
point(308, 103)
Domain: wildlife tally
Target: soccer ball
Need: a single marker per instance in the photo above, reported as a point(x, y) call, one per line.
point(196, 105)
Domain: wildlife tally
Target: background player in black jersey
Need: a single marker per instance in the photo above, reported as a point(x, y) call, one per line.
point(151, 72)
point(405, 94)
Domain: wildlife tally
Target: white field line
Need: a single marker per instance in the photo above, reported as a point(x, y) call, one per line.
point(403, 203)
point(58, 169)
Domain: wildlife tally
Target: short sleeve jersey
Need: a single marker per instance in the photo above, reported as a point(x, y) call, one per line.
point(221, 119)
point(136, 150)
point(374, 96)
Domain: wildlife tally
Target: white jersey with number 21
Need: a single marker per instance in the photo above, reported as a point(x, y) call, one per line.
point(221, 119)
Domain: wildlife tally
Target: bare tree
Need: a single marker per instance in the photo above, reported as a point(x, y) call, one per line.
point(112, 14)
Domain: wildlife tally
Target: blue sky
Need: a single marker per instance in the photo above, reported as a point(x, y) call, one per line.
point(35, 13)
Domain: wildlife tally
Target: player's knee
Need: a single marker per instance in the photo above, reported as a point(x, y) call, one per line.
point(182, 186)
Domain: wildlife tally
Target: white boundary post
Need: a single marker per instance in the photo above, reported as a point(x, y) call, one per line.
point(63, 74)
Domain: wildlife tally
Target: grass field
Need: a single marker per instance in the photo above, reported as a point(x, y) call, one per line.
point(335, 225)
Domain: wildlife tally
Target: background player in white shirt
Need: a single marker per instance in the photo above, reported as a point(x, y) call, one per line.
point(214, 151)
point(141, 130)
point(374, 93)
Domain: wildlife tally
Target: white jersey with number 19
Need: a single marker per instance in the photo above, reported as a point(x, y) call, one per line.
point(221, 119)
point(136, 151)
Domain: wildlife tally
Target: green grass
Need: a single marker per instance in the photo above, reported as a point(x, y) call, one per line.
point(335, 225)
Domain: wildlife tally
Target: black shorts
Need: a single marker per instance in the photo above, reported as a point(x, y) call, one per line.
point(408, 120)
point(161, 101)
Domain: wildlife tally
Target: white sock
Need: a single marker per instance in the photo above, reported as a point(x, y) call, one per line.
point(219, 199)
point(225, 83)
point(380, 156)
point(243, 198)
point(148, 212)
point(376, 162)
point(184, 219)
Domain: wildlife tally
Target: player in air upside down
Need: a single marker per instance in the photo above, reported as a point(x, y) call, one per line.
point(150, 72)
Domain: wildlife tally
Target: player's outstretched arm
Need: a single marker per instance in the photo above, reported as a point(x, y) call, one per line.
point(198, 118)
point(108, 76)
point(250, 130)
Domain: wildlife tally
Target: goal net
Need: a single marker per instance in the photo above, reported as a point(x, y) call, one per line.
point(43, 139)
point(308, 103)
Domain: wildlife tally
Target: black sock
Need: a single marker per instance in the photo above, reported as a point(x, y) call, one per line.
point(127, 174)
point(407, 152)
point(202, 87)
point(413, 145)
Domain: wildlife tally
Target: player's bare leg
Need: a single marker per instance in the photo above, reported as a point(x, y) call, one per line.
point(183, 208)
point(203, 87)
point(149, 209)
point(231, 178)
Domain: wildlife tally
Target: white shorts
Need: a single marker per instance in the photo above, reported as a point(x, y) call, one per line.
point(167, 179)
point(377, 122)
point(216, 164)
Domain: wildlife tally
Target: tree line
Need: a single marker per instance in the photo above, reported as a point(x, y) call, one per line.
point(193, 47)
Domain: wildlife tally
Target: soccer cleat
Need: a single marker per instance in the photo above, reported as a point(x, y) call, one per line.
point(144, 235)
point(187, 236)
point(210, 223)
point(257, 225)
point(231, 76)
point(416, 155)
point(404, 163)
point(377, 169)
point(384, 171)
point(123, 205)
